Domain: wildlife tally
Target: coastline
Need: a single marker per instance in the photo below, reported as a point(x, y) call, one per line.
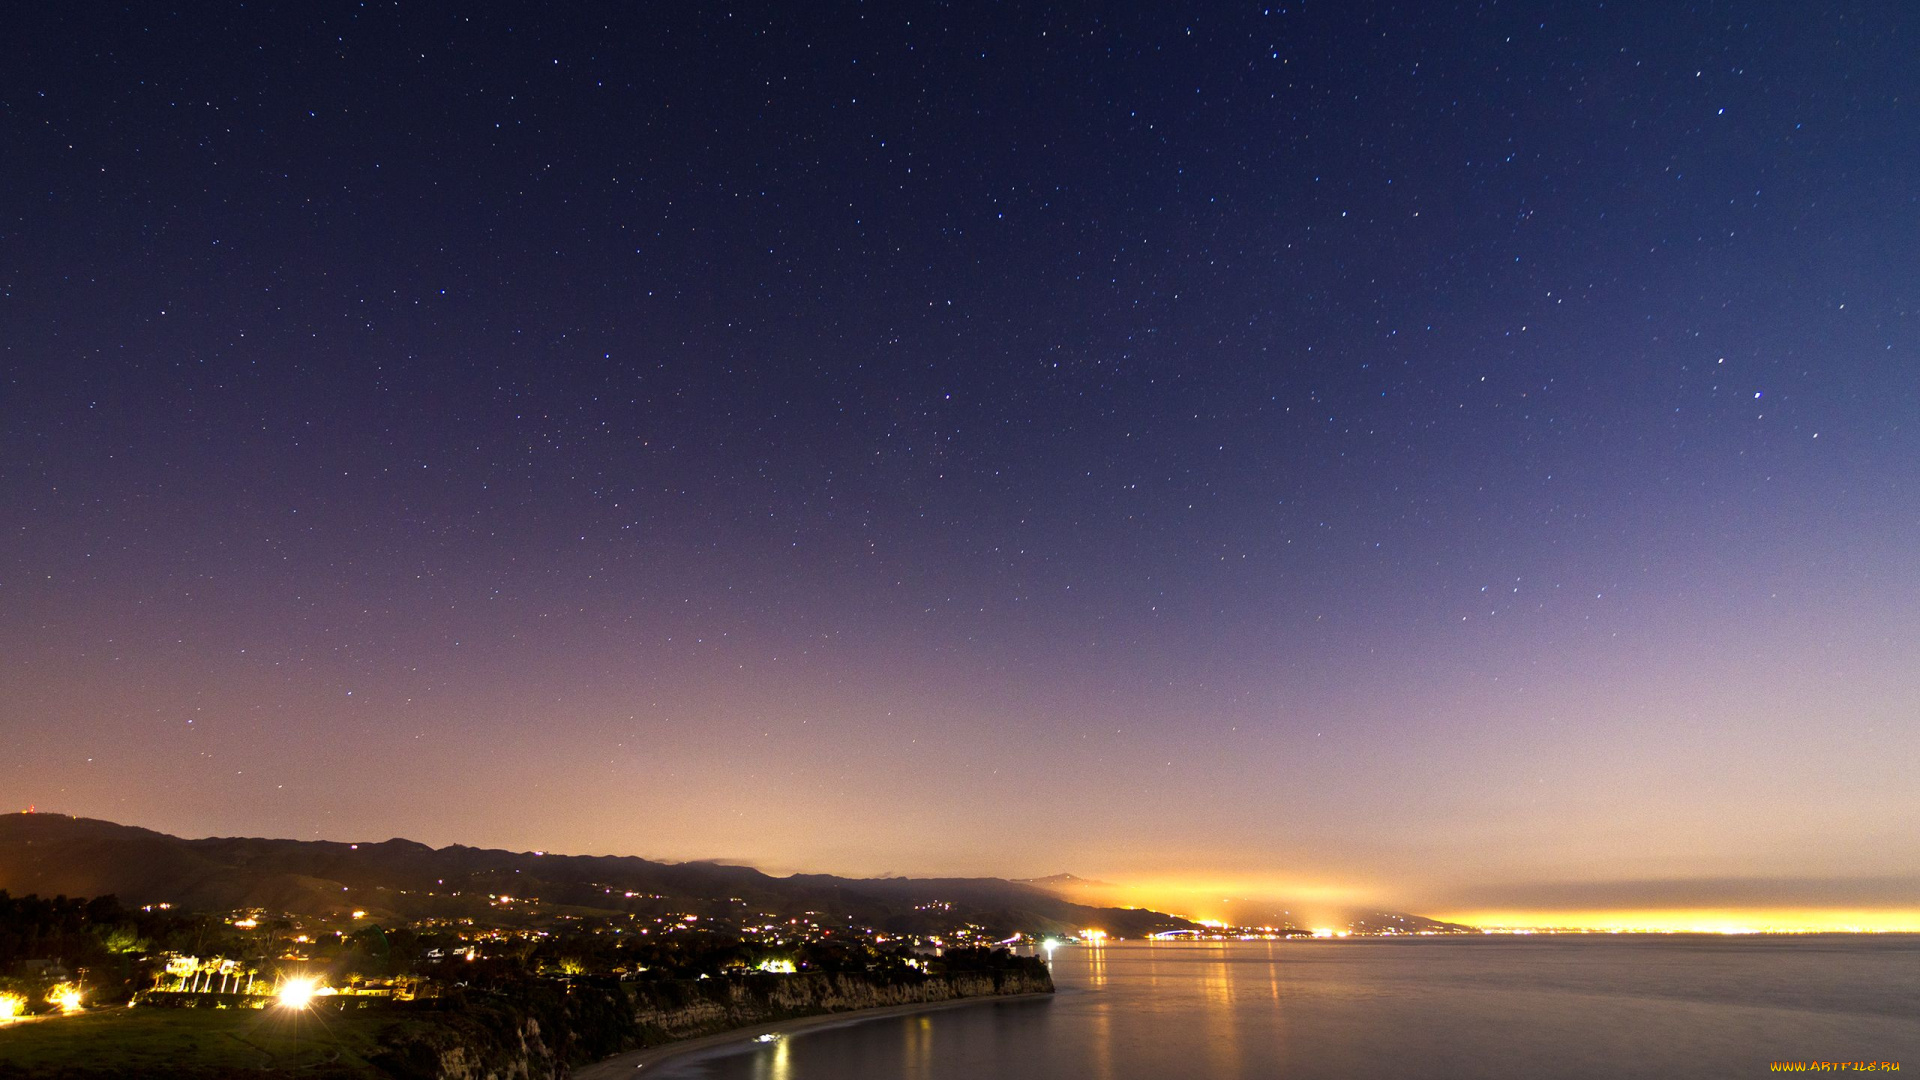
point(625, 1065)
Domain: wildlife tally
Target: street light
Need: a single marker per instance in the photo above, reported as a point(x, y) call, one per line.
point(297, 993)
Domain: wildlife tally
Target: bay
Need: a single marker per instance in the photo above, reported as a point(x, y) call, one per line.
point(1444, 1007)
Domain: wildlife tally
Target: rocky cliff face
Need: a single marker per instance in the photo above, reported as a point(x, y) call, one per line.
point(498, 1042)
point(534, 1061)
point(668, 1011)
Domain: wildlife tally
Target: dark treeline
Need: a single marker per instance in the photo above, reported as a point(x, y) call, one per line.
point(62, 928)
point(58, 939)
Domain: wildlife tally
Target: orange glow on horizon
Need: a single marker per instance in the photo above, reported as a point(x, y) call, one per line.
point(1699, 920)
point(1224, 900)
point(1217, 899)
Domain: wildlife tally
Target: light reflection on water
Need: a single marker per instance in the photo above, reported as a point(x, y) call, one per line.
point(775, 1063)
point(1097, 967)
point(1431, 1008)
point(1100, 1045)
point(919, 1047)
point(1217, 985)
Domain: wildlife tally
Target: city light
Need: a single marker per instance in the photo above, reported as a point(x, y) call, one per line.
point(66, 996)
point(297, 993)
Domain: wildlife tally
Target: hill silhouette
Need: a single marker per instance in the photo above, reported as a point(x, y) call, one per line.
point(53, 854)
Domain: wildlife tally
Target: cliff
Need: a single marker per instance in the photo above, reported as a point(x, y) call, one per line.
point(544, 1035)
point(665, 1012)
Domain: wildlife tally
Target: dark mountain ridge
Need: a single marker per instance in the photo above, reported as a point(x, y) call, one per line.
point(53, 854)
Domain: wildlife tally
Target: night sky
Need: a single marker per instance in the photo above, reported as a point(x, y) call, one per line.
point(1464, 457)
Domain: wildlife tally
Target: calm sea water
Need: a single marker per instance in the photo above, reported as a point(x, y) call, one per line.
point(1431, 1007)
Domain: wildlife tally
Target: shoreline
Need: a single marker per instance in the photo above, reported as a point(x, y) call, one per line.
point(624, 1065)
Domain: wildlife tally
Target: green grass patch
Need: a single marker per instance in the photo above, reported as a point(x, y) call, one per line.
point(131, 1042)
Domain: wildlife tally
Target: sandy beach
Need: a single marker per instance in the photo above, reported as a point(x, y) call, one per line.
point(625, 1065)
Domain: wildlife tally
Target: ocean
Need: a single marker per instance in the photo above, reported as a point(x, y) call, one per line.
point(1441, 1007)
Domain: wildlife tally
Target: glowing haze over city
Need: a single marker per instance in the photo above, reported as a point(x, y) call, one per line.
point(1462, 462)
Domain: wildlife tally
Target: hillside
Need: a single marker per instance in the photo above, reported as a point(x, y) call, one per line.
point(52, 854)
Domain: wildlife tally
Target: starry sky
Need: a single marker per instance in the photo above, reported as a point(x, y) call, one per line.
point(1456, 456)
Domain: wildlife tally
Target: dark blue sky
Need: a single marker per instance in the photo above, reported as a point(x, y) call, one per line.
point(1331, 445)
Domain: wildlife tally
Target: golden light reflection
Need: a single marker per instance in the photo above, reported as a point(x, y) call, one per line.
point(782, 1061)
point(1216, 982)
point(776, 1065)
point(1223, 1050)
point(1102, 1045)
point(919, 1048)
point(1697, 920)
